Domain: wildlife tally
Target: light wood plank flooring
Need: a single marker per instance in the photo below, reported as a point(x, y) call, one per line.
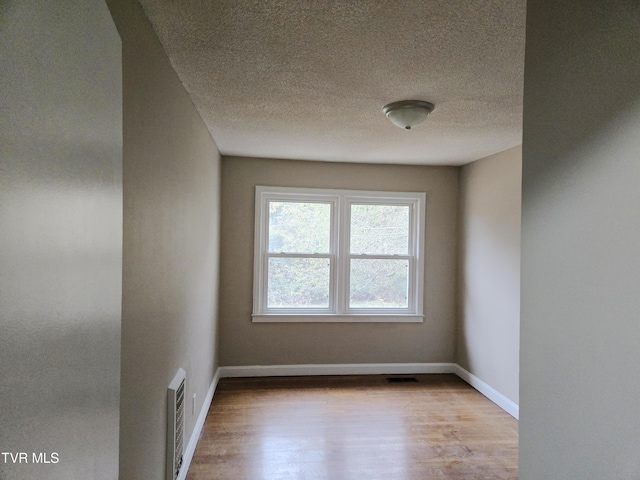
point(354, 427)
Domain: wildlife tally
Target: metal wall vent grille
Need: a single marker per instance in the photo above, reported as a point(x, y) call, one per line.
point(175, 424)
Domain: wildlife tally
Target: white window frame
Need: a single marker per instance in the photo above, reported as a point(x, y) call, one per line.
point(339, 256)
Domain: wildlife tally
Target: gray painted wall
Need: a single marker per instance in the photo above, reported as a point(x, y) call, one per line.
point(60, 239)
point(488, 335)
point(580, 331)
point(171, 230)
point(247, 343)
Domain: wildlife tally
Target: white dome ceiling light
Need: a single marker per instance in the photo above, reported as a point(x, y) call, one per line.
point(406, 114)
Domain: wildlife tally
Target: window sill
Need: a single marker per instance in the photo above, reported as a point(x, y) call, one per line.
point(324, 318)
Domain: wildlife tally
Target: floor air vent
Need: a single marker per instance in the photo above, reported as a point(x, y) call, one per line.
point(401, 379)
point(175, 424)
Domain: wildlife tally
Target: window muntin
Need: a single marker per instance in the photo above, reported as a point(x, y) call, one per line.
point(334, 255)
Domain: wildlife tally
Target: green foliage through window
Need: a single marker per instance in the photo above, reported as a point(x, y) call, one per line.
point(296, 227)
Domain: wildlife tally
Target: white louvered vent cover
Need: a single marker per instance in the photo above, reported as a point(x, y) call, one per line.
point(175, 424)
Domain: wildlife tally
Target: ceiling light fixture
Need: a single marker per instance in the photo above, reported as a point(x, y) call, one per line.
point(407, 114)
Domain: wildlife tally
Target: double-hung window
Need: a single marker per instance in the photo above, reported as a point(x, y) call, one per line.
point(338, 255)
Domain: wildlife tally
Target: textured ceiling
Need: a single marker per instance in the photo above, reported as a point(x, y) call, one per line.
point(306, 79)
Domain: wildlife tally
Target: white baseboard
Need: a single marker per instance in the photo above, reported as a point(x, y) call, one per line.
point(335, 369)
point(488, 391)
point(373, 369)
point(197, 429)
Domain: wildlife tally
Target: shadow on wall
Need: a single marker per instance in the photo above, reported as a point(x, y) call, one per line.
point(574, 120)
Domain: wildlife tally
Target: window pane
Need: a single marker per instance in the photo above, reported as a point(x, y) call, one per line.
point(298, 227)
point(381, 229)
point(377, 283)
point(298, 283)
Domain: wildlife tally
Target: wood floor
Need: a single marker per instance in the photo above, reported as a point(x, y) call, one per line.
point(354, 427)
